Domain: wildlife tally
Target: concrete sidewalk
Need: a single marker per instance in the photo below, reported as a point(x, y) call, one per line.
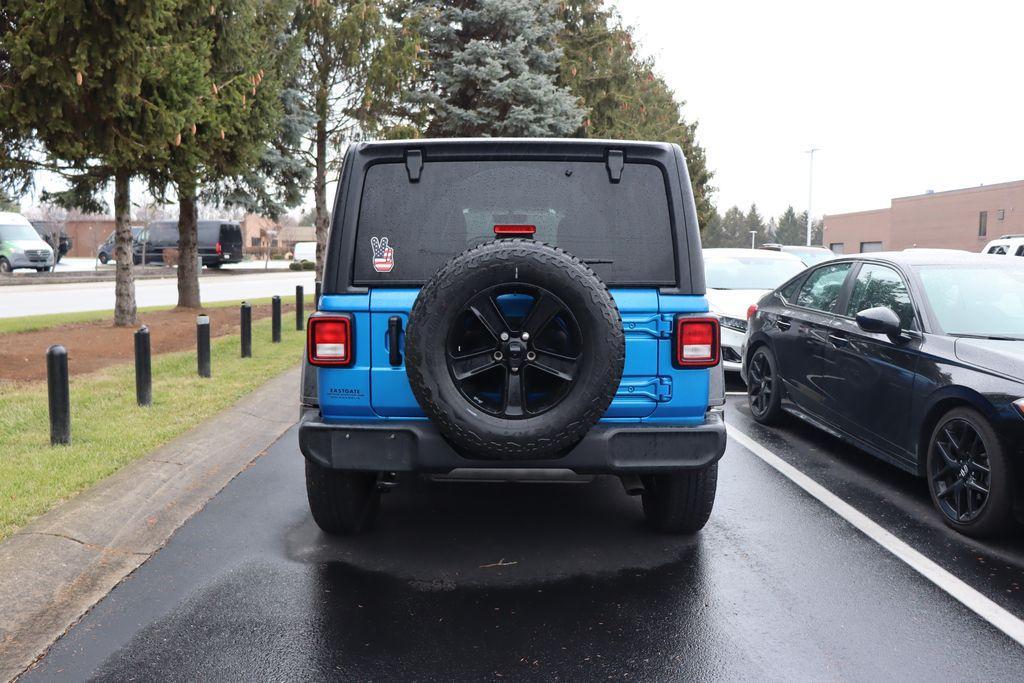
point(56, 568)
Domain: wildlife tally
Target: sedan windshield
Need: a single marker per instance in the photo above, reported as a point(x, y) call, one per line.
point(976, 301)
point(10, 233)
point(748, 272)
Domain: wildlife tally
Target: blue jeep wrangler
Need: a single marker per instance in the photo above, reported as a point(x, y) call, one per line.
point(508, 309)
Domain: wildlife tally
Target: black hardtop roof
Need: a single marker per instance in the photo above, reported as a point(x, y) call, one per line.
point(541, 147)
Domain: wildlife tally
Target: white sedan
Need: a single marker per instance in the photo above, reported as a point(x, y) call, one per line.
point(737, 279)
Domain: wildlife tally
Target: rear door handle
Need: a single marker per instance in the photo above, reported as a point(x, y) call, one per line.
point(783, 323)
point(394, 338)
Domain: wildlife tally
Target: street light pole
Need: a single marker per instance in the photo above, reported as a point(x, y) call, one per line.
point(753, 237)
point(810, 190)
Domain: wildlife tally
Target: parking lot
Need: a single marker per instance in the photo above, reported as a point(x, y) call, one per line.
point(564, 582)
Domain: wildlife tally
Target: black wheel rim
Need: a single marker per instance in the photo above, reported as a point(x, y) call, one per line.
point(761, 384)
point(960, 473)
point(515, 350)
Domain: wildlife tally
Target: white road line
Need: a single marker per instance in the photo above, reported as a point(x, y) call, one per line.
point(969, 597)
point(735, 393)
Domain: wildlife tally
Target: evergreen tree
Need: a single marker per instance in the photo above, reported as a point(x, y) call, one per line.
point(711, 235)
point(234, 122)
point(493, 68)
point(734, 225)
point(791, 228)
point(107, 86)
point(357, 56)
point(755, 224)
point(623, 95)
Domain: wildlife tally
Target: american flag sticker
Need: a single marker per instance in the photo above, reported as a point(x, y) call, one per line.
point(383, 255)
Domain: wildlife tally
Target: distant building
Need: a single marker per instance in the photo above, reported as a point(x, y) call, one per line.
point(957, 219)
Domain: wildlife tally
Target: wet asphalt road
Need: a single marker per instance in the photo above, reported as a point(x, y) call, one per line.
point(486, 581)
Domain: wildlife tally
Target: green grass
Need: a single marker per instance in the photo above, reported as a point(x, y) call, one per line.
point(108, 430)
point(32, 323)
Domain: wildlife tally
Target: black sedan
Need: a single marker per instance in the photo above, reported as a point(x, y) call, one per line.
point(916, 357)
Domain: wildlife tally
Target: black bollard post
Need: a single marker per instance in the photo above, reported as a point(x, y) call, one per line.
point(203, 345)
point(316, 296)
point(59, 395)
point(275, 322)
point(299, 301)
point(143, 368)
point(246, 330)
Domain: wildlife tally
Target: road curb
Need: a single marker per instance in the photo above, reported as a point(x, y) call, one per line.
point(56, 568)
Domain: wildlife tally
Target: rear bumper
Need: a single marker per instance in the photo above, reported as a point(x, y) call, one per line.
point(417, 446)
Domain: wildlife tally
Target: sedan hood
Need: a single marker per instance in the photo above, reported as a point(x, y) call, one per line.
point(1005, 357)
point(734, 303)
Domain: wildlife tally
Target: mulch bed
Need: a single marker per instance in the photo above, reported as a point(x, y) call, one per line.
point(96, 345)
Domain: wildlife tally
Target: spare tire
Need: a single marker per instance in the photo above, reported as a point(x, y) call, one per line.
point(514, 349)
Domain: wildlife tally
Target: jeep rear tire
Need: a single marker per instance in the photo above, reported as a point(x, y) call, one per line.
point(341, 502)
point(680, 502)
point(514, 349)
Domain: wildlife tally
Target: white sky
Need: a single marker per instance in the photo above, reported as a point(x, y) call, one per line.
point(901, 96)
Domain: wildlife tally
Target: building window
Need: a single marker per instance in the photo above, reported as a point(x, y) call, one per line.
point(866, 247)
point(982, 223)
point(255, 241)
point(1001, 215)
point(837, 248)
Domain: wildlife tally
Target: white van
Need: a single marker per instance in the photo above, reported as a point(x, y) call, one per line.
point(1007, 245)
point(304, 251)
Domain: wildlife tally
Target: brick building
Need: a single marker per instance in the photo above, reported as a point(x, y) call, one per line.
point(957, 219)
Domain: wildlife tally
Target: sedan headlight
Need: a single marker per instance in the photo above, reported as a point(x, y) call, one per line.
point(734, 324)
point(1020, 405)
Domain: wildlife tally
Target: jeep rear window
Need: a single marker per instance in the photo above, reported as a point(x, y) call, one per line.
point(623, 230)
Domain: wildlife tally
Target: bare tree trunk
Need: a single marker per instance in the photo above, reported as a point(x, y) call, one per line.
point(124, 283)
point(188, 252)
point(322, 220)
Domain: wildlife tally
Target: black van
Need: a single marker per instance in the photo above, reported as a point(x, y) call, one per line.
point(220, 242)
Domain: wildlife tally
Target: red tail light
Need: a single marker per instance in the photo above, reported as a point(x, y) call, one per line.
point(697, 342)
point(751, 311)
point(514, 230)
point(329, 340)
point(220, 249)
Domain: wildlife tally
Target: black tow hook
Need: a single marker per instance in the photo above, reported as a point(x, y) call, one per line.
point(632, 483)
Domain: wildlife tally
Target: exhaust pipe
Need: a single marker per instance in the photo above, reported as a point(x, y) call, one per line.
point(632, 483)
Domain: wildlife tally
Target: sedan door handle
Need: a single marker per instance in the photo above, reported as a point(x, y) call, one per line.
point(838, 339)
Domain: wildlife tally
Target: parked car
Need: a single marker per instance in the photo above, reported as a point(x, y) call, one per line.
point(809, 255)
point(512, 309)
point(304, 252)
point(219, 242)
point(914, 357)
point(21, 246)
point(1007, 245)
point(736, 279)
point(105, 252)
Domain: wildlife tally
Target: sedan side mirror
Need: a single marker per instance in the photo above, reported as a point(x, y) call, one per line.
point(880, 320)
